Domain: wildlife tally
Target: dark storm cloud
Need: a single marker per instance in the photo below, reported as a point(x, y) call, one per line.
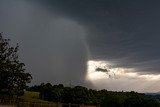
point(52, 47)
point(120, 31)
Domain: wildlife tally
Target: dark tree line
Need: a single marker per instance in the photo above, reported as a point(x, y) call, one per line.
point(13, 77)
point(82, 95)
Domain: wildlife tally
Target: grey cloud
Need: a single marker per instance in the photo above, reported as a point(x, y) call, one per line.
point(52, 47)
point(101, 69)
point(127, 34)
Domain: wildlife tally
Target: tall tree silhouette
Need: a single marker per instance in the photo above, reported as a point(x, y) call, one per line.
point(13, 78)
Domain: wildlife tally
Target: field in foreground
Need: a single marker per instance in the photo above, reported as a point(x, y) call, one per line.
point(30, 96)
point(30, 99)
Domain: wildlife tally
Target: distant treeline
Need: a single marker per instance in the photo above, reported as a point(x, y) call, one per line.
point(82, 95)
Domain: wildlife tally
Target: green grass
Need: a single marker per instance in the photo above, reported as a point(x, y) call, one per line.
point(32, 98)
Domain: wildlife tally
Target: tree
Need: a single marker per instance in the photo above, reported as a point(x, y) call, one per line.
point(13, 78)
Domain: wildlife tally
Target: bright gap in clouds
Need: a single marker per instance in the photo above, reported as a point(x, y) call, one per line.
point(103, 75)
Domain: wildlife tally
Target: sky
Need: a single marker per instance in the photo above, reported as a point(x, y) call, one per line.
point(101, 44)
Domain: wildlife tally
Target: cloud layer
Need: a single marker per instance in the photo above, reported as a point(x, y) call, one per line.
point(123, 32)
point(52, 47)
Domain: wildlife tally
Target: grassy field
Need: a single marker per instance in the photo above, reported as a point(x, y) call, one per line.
point(30, 96)
point(32, 99)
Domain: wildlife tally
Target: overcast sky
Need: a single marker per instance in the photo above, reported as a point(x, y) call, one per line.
point(61, 39)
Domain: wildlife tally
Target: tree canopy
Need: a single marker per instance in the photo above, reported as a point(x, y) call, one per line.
point(83, 95)
point(13, 78)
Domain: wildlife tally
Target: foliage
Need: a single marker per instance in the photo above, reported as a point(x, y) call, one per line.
point(13, 77)
point(104, 98)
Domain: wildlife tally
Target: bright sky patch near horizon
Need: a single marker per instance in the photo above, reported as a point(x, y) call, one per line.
point(119, 76)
